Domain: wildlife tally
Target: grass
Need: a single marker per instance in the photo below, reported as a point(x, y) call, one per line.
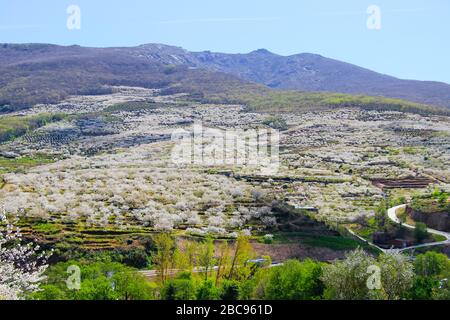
point(292, 101)
point(48, 228)
point(438, 237)
point(22, 163)
point(132, 106)
point(331, 242)
point(12, 127)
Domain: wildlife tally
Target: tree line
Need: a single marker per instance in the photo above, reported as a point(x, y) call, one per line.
point(205, 270)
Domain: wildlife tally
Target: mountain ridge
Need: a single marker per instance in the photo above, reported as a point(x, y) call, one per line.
point(150, 65)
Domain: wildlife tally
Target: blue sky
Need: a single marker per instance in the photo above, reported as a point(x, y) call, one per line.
point(413, 42)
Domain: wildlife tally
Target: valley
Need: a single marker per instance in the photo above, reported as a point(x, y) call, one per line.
point(107, 181)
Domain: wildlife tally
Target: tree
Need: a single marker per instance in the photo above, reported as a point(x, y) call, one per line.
point(432, 264)
point(295, 280)
point(380, 215)
point(131, 285)
point(351, 279)
point(207, 291)
point(229, 290)
point(347, 279)
point(397, 274)
point(183, 287)
point(206, 256)
point(22, 267)
point(223, 261)
point(186, 258)
point(422, 288)
point(101, 280)
point(276, 122)
point(163, 257)
point(420, 232)
point(241, 266)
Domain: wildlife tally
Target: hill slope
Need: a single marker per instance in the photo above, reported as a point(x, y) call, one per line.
point(311, 72)
point(43, 73)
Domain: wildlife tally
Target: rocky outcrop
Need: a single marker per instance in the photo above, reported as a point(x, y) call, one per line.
point(435, 220)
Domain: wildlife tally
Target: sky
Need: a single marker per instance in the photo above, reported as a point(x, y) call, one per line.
point(405, 38)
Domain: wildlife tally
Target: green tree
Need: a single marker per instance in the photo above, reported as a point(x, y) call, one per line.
point(347, 279)
point(423, 288)
point(130, 285)
point(420, 232)
point(241, 266)
point(206, 256)
point(186, 257)
point(432, 264)
point(48, 292)
point(350, 279)
point(380, 215)
point(207, 291)
point(163, 258)
point(295, 280)
point(100, 280)
point(397, 274)
point(223, 261)
point(183, 287)
point(230, 290)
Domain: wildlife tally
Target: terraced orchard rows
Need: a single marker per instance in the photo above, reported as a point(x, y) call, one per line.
point(102, 175)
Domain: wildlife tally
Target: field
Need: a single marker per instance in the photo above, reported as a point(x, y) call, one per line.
point(160, 182)
point(102, 177)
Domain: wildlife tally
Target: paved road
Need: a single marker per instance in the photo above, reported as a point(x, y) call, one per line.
point(392, 214)
point(366, 241)
point(171, 272)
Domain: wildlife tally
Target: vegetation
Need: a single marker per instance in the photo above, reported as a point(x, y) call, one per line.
point(332, 242)
point(421, 232)
point(432, 277)
point(12, 127)
point(99, 281)
point(276, 122)
point(359, 276)
point(295, 280)
point(19, 164)
point(291, 101)
point(437, 201)
point(131, 106)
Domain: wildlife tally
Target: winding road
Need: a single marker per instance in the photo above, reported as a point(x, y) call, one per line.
point(392, 214)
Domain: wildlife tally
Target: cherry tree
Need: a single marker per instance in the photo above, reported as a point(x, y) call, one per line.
point(21, 265)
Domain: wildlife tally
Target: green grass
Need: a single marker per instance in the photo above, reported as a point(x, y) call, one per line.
point(291, 101)
point(47, 228)
point(12, 127)
point(438, 237)
point(131, 106)
point(331, 242)
point(22, 163)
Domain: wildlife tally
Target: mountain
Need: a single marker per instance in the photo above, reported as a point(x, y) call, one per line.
point(312, 72)
point(33, 73)
point(42, 73)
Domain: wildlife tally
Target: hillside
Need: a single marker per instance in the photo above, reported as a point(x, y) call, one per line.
point(44, 73)
point(312, 72)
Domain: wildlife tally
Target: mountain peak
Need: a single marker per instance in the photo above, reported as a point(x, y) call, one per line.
point(262, 52)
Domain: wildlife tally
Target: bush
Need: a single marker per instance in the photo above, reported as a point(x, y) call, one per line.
point(99, 281)
point(420, 232)
point(230, 290)
point(295, 280)
point(181, 288)
point(276, 122)
point(207, 291)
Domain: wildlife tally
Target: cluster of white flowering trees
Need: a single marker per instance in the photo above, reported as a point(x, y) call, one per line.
point(21, 265)
point(131, 189)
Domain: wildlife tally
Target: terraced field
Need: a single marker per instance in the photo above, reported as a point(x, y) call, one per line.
point(102, 177)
